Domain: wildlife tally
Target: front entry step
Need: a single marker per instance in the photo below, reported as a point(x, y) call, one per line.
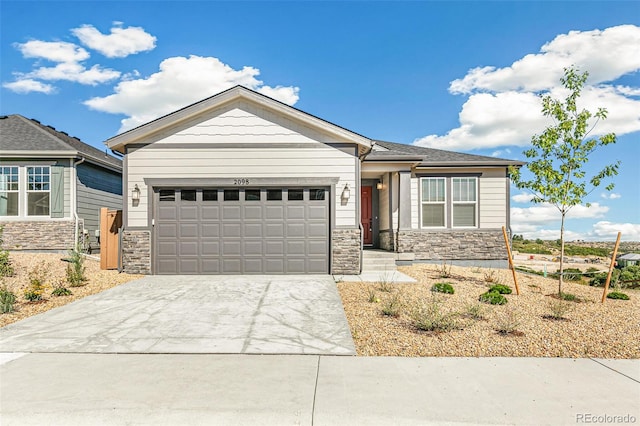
point(377, 266)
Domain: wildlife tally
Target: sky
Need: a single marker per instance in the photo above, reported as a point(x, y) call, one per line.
point(461, 76)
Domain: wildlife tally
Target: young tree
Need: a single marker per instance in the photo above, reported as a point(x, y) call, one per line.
point(558, 155)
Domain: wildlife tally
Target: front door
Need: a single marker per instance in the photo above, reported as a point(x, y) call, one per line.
point(366, 218)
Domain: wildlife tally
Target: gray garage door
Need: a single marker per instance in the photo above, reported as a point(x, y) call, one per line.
point(241, 231)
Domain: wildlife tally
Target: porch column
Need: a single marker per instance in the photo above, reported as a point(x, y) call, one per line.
point(404, 200)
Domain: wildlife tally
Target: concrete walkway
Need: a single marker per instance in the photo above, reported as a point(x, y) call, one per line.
point(156, 389)
point(194, 314)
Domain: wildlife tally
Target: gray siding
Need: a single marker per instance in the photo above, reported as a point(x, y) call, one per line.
point(97, 188)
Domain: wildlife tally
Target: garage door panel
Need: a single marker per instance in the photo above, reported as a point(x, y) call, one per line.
point(188, 230)
point(241, 234)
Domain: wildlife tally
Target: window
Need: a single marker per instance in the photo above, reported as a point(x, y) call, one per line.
point(274, 194)
point(9, 191)
point(188, 195)
point(252, 195)
point(38, 191)
point(316, 194)
point(209, 195)
point(464, 202)
point(295, 194)
point(167, 195)
point(231, 194)
point(433, 202)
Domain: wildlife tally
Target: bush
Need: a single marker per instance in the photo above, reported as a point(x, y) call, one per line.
point(500, 288)
point(508, 322)
point(6, 269)
point(393, 306)
point(558, 308)
point(61, 290)
point(372, 296)
point(474, 311)
point(429, 317)
point(7, 299)
point(442, 288)
point(75, 269)
point(569, 297)
point(572, 274)
point(617, 295)
point(490, 276)
point(37, 277)
point(492, 298)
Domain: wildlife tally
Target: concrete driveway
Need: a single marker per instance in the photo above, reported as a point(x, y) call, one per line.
point(195, 314)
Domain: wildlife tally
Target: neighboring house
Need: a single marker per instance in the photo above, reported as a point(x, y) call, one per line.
point(240, 183)
point(629, 259)
point(52, 186)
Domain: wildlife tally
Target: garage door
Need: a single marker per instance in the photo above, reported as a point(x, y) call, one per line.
point(241, 231)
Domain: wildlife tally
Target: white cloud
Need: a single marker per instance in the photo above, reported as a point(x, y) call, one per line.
point(121, 42)
point(607, 55)
point(609, 230)
point(504, 107)
point(543, 213)
point(56, 51)
point(28, 85)
point(180, 82)
point(71, 71)
point(610, 196)
point(522, 198)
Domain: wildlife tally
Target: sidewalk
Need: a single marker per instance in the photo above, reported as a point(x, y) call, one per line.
point(108, 389)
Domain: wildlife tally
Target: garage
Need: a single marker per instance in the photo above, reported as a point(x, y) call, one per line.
point(241, 230)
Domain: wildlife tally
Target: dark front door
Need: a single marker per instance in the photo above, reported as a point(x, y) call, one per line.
point(366, 217)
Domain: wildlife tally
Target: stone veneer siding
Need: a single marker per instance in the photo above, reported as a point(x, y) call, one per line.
point(38, 235)
point(136, 252)
point(345, 251)
point(386, 240)
point(453, 245)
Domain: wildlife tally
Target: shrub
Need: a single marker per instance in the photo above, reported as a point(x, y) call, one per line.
point(393, 306)
point(61, 290)
point(75, 269)
point(490, 276)
point(474, 311)
point(558, 308)
point(492, 298)
point(617, 295)
point(430, 317)
point(572, 274)
point(372, 296)
point(37, 277)
point(6, 269)
point(7, 299)
point(444, 271)
point(569, 297)
point(442, 288)
point(500, 288)
point(508, 322)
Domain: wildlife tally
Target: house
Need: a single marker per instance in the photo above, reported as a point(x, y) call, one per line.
point(628, 259)
point(52, 187)
point(240, 183)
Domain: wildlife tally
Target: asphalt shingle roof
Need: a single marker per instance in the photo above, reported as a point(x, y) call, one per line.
point(18, 133)
point(434, 157)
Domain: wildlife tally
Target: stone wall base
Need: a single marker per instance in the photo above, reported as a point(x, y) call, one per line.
point(453, 245)
point(386, 239)
point(136, 252)
point(345, 251)
point(38, 235)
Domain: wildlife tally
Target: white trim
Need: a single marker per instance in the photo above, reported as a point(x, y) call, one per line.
point(443, 203)
point(475, 203)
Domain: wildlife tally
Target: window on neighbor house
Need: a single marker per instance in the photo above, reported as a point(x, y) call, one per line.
point(9, 190)
point(38, 191)
point(464, 201)
point(433, 201)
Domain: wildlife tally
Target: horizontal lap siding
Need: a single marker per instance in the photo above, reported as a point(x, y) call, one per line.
point(267, 150)
point(493, 202)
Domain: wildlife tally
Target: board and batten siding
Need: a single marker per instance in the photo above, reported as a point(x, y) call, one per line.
point(96, 188)
point(239, 144)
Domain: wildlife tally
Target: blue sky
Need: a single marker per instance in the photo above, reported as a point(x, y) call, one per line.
point(464, 76)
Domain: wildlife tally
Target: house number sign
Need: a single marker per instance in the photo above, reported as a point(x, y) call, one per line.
point(241, 182)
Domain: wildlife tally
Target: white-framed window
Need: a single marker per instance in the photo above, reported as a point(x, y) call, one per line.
point(464, 202)
point(9, 191)
point(433, 202)
point(38, 191)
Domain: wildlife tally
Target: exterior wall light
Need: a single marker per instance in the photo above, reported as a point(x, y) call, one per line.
point(346, 193)
point(379, 185)
point(135, 194)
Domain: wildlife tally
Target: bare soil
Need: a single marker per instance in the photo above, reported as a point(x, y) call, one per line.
point(587, 329)
point(23, 263)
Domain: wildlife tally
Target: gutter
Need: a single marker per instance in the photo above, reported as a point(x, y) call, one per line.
point(74, 200)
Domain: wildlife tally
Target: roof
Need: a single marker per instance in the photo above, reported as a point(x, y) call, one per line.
point(237, 92)
point(23, 136)
point(431, 157)
point(630, 256)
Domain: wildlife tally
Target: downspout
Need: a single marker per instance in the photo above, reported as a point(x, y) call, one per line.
point(74, 201)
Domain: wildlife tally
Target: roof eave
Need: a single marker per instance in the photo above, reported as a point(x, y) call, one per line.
point(470, 164)
point(61, 154)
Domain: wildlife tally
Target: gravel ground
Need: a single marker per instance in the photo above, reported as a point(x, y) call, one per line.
point(591, 329)
point(23, 263)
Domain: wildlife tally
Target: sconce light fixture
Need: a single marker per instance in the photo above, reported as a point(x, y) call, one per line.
point(346, 193)
point(379, 185)
point(135, 194)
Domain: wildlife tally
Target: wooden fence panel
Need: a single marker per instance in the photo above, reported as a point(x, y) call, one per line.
point(110, 223)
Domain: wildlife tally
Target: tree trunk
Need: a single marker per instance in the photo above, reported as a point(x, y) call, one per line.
point(561, 254)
